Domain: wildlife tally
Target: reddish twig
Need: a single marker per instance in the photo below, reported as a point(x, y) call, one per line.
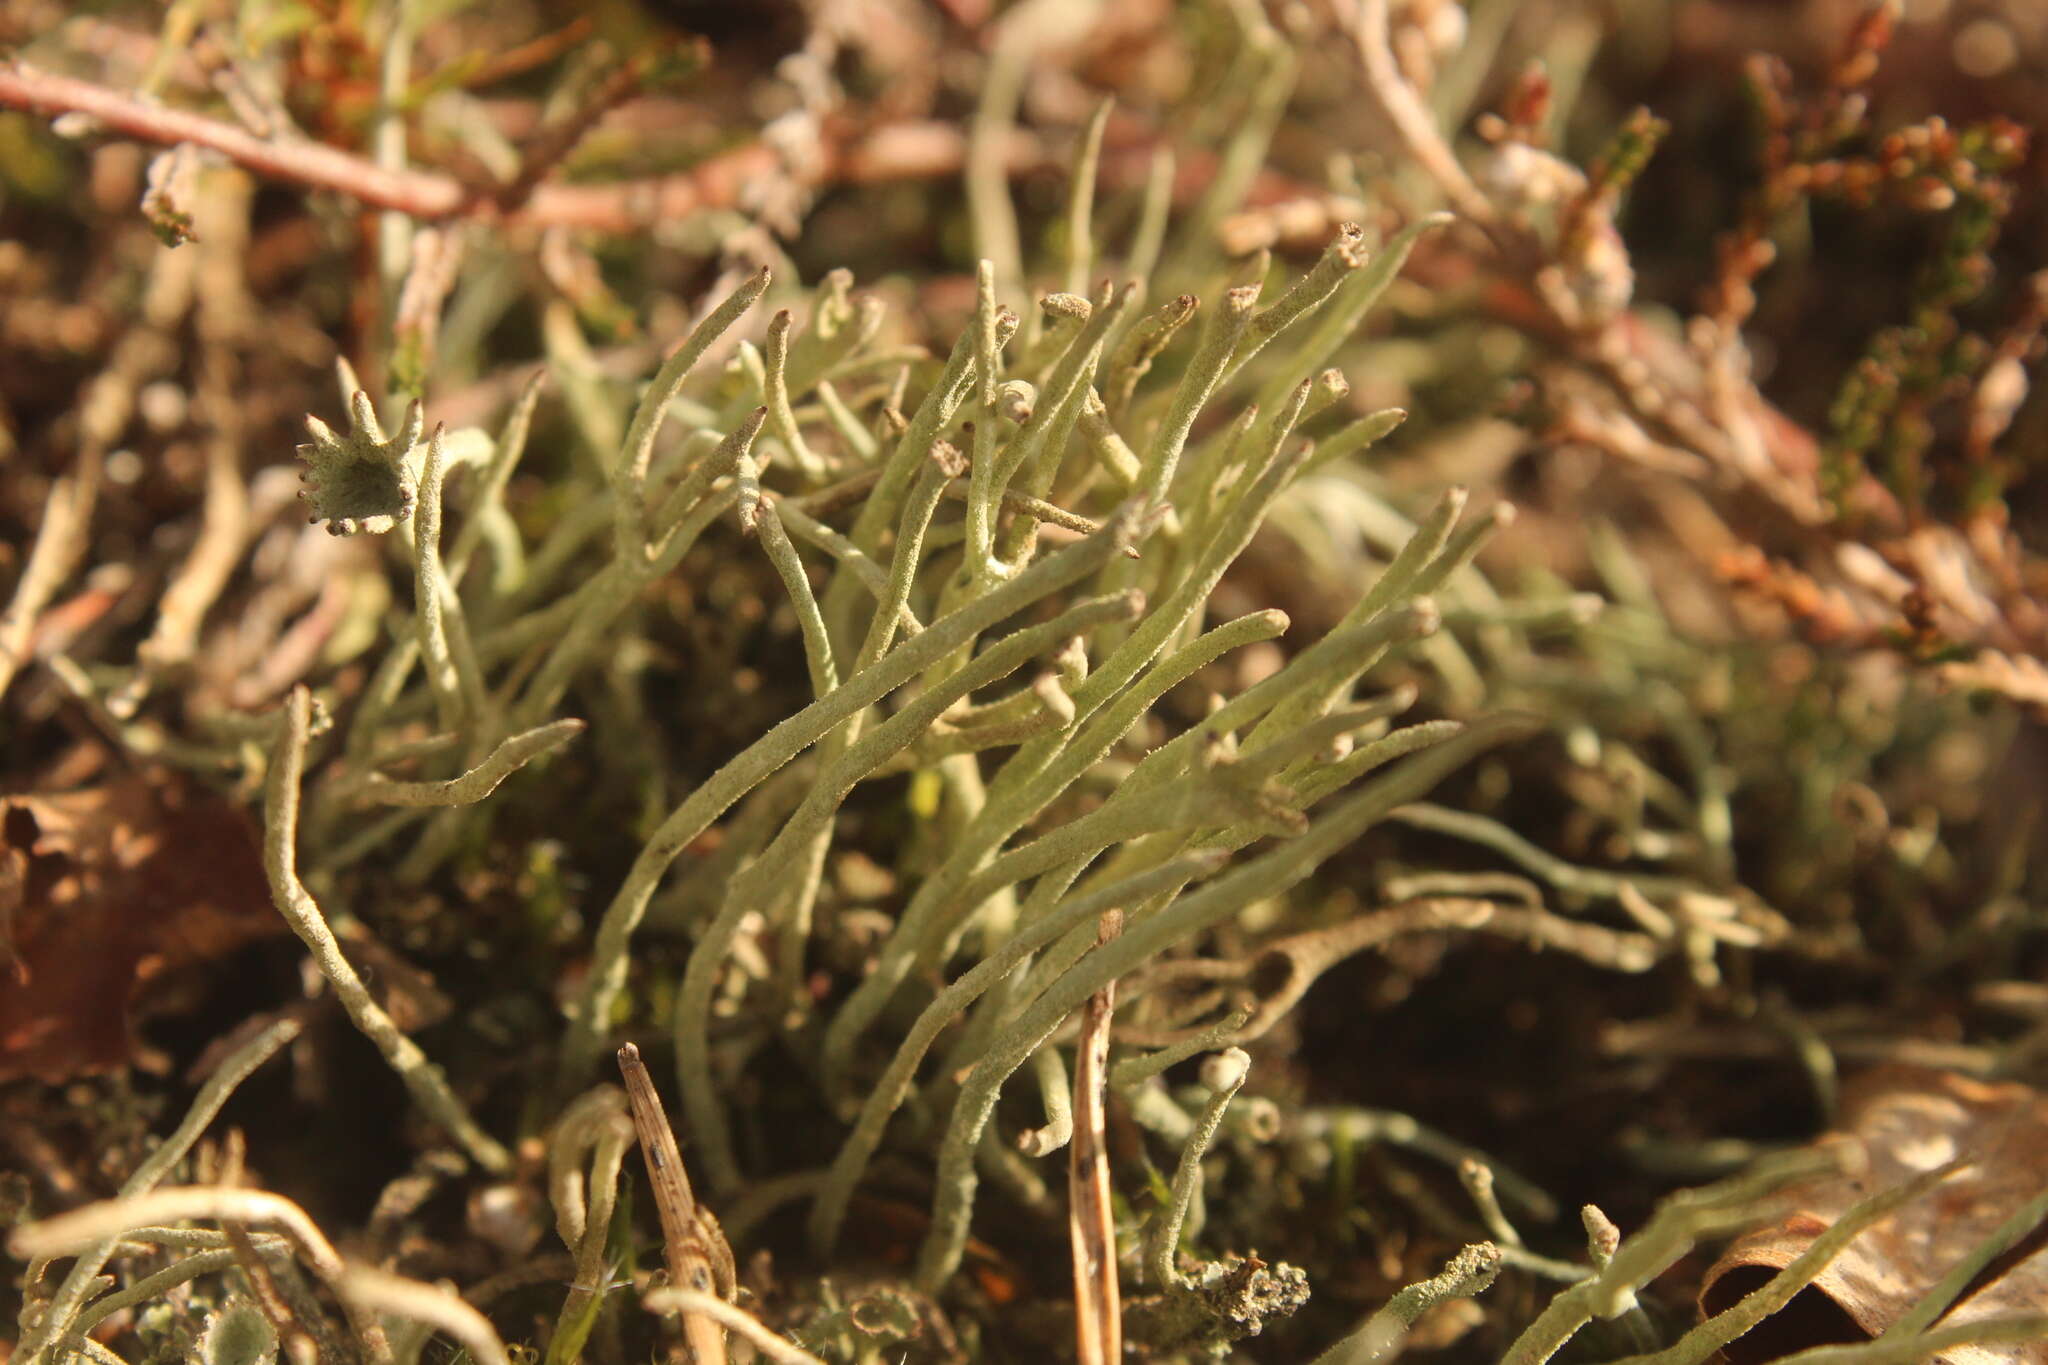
point(428, 195)
point(419, 193)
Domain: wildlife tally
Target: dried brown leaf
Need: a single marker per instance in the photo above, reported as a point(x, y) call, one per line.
point(1910, 1120)
point(103, 890)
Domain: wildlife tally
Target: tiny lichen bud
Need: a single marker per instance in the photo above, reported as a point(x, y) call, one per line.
point(1227, 1069)
point(1015, 399)
point(1066, 306)
point(1426, 618)
point(1602, 1237)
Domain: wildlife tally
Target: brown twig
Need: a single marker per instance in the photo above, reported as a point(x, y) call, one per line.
point(419, 193)
point(693, 1247)
point(427, 195)
point(1091, 1220)
point(909, 149)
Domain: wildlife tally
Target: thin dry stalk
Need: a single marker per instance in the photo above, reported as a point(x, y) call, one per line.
point(1091, 1221)
point(693, 1246)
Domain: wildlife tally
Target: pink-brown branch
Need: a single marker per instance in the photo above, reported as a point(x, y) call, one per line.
point(420, 193)
point(892, 152)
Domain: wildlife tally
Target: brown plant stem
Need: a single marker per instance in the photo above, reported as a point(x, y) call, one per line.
point(693, 1247)
point(1098, 1311)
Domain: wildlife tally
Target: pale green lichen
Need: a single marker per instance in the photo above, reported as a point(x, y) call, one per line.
point(1029, 663)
